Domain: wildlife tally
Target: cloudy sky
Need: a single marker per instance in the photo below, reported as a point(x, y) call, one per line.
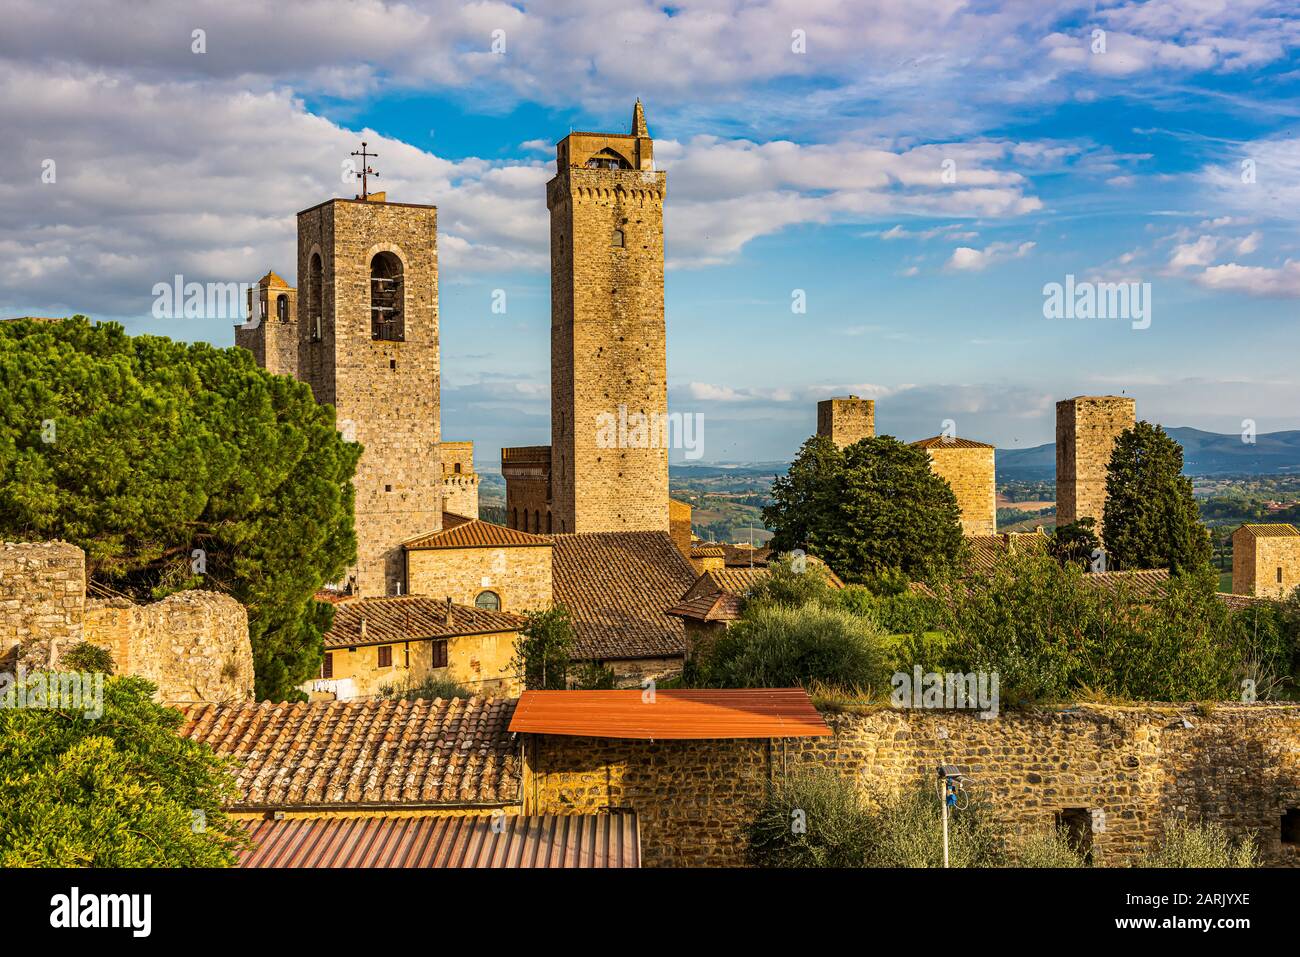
point(916, 171)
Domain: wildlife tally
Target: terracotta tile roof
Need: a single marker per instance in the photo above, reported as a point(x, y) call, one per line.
point(950, 442)
point(708, 550)
point(986, 551)
point(743, 555)
point(676, 714)
point(716, 606)
point(381, 753)
point(617, 586)
point(461, 532)
point(271, 279)
point(1242, 602)
point(611, 839)
point(1272, 530)
point(1144, 582)
point(410, 618)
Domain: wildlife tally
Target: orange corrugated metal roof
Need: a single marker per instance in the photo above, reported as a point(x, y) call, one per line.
point(549, 840)
point(671, 714)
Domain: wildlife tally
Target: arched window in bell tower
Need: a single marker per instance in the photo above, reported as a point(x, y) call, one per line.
point(314, 280)
point(387, 298)
point(282, 307)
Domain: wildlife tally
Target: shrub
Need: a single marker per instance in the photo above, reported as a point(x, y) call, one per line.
point(909, 833)
point(811, 818)
point(545, 646)
point(777, 647)
point(428, 689)
point(592, 676)
point(84, 656)
point(1183, 844)
point(793, 584)
point(1050, 847)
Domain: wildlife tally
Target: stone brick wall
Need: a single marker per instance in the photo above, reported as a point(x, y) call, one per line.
point(1086, 429)
point(970, 471)
point(42, 593)
point(274, 343)
point(846, 420)
point(193, 645)
point(385, 394)
point(479, 663)
point(633, 672)
point(679, 525)
point(520, 575)
point(1239, 765)
point(608, 343)
point(1267, 566)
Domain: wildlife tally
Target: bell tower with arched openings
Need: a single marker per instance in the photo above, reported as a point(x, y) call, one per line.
point(608, 345)
point(368, 345)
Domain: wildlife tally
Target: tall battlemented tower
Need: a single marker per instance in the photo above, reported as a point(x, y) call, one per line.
point(368, 345)
point(1086, 429)
point(608, 346)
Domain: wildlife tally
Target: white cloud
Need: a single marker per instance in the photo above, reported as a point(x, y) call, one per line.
point(969, 259)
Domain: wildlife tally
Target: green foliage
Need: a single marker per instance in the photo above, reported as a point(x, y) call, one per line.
point(1151, 519)
point(123, 790)
point(545, 647)
point(160, 448)
point(905, 613)
point(815, 818)
point(1050, 635)
point(793, 582)
point(1201, 845)
point(428, 689)
point(1047, 847)
point(774, 646)
point(83, 656)
point(866, 509)
point(592, 676)
point(1075, 543)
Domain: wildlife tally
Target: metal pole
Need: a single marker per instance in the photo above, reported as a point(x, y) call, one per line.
point(943, 801)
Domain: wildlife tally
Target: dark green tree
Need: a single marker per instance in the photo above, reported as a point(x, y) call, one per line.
point(1151, 519)
point(545, 648)
point(1075, 543)
point(178, 466)
point(873, 507)
point(121, 790)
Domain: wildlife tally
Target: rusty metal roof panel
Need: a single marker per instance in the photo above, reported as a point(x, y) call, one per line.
point(536, 841)
point(671, 714)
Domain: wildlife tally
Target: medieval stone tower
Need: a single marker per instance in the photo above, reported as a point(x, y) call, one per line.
point(273, 341)
point(608, 345)
point(1086, 429)
point(969, 469)
point(368, 345)
point(1265, 560)
point(846, 420)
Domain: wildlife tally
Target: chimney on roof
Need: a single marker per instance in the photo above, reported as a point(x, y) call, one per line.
point(363, 628)
point(446, 618)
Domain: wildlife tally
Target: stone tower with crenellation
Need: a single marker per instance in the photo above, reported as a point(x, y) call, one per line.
point(846, 420)
point(1086, 429)
point(608, 344)
point(368, 345)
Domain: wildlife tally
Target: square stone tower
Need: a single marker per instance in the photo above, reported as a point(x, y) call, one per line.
point(608, 344)
point(273, 341)
point(1086, 429)
point(368, 345)
point(846, 420)
point(1265, 560)
point(968, 467)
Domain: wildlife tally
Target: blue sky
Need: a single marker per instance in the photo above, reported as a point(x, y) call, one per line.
point(1100, 140)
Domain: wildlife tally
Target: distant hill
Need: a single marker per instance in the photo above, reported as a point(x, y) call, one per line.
point(1204, 453)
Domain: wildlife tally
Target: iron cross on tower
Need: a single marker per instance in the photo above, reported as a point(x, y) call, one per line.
point(365, 169)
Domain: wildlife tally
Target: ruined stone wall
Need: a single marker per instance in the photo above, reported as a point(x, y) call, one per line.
point(385, 393)
point(633, 672)
point(193, 645)
point(969, 469)
point(1086, 429)
point(608, 346)
point(1239, 765)
point(520, 575)
point(42, 593)
point(846, 420)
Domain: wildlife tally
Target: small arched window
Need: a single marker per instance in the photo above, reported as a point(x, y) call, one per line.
point(514, 517)
point(618, 239)
point(314, 297)
point(548, 523)
point(456, 468)
point(488, 601)
point(387, 299)
point(282, 307)
point(537, 521)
